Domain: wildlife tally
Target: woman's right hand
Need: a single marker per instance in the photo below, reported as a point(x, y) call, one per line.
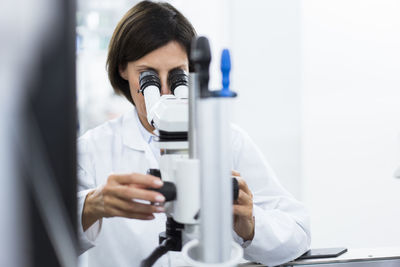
point(117, 198)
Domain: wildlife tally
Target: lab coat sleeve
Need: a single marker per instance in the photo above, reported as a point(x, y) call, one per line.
point(282, 231)
point(86, 183)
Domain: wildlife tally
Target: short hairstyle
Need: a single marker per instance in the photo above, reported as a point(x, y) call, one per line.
point(144, 28)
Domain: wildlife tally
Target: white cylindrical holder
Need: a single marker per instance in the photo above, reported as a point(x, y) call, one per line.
point(187, 183)
point(192, 255)
point(215, 178)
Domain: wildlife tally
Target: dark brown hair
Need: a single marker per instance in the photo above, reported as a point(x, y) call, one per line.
point(144, 28)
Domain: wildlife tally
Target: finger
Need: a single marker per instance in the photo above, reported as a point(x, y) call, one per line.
point(245, 211)
point(243, 185)
point(140, 216)
point(131, 206)
point(235, 173)
point(137, 179)
point(244, 198)
point(129, 193)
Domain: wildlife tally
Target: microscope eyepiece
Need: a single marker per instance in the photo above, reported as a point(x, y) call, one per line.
point(147, 78)
point(177, 77)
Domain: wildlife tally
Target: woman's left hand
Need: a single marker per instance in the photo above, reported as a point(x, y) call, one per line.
point(243, 220)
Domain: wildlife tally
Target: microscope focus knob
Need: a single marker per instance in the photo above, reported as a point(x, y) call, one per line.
point(235, 187)
point(168, 190)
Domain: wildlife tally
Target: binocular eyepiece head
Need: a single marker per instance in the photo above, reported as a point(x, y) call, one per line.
point(176, 78)
point(148, 78)
point(150, 87)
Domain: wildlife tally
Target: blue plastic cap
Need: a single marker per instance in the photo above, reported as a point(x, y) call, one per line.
point(225, 69)
point(225, 61)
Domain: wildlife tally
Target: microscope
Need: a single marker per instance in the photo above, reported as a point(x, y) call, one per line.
point(192, 130)
point(168, 114)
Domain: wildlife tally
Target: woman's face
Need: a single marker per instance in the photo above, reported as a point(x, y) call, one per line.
point(163, 60)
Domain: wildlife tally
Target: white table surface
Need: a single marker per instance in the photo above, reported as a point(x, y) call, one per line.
point(352, 255)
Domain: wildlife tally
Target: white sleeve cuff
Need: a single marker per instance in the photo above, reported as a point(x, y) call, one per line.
point(86, 238)
point(277, 238)
point(240, 241)
point(246, 243)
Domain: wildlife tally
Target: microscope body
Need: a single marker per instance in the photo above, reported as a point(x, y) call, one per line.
point(169, 115)
point(175, 165)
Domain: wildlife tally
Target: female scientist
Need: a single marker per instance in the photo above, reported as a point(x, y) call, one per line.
point(269, 223)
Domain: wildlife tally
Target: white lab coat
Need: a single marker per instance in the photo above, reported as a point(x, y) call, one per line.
point(118, 146)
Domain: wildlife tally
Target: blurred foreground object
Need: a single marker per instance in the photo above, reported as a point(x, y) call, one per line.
point(37, 133)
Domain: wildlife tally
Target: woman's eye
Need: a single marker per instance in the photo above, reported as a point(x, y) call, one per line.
point(177, 77)
point(149, 69)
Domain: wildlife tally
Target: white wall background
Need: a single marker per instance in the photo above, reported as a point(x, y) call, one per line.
point(267, 61)
point(264, 39)
point(319, 89)
point(350, 121)
point(318, 85)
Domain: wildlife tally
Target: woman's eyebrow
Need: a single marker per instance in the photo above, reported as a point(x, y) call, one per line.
point(182, 67)
point(145, 67)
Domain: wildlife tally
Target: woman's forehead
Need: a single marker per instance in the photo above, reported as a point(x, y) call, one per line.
point(169, 56)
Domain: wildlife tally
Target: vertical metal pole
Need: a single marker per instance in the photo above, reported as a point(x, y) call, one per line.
point(193, 89)
point(213, 139)
point(216, 187)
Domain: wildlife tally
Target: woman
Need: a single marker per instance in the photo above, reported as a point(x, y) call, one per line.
point(271, 226)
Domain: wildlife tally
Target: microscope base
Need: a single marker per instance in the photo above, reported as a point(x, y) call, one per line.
point(191, 255)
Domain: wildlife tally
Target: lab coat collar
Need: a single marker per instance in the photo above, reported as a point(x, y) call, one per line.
point(147, 136)
point(131, 135)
